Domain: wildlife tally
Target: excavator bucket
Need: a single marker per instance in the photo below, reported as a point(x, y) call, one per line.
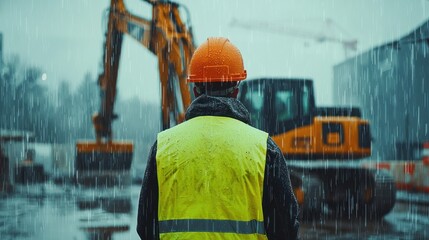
point(103, 164)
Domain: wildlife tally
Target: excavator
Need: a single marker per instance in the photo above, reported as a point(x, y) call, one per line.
point(106, 161)
point(321, 145)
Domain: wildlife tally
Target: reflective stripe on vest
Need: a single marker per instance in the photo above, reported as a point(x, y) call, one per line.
point(210, 225)
point(210, 176)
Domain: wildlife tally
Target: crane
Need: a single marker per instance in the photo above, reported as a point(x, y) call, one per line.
point(323, 36)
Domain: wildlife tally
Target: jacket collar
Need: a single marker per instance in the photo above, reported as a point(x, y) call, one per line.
point(218, 106)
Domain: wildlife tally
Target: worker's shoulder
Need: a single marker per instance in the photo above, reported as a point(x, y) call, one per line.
point(273, 145)
point(227, 123)
point(209, 122)
point(181, 128)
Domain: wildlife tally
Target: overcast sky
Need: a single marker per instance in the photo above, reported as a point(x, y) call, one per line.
point(65, 37)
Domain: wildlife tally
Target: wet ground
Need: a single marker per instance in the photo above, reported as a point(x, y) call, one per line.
point(406, 221)
point(52, 212)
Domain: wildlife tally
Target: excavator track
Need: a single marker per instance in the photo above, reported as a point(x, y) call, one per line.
point(385, 195)
point(343, 191)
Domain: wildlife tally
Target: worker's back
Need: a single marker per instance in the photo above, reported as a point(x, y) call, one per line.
point(211, 174)
point(214, 176)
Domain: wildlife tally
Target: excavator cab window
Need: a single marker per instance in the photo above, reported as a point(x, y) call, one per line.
point(278, 105)
point(306, 100)
point(254, 102)
point(285, 105)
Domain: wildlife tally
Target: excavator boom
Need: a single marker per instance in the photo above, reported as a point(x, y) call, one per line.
point(166, 36)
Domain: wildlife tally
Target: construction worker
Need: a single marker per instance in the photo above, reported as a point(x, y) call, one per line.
point(214, 176)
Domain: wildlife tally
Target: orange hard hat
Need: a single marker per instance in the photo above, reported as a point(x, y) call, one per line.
point(216, 60)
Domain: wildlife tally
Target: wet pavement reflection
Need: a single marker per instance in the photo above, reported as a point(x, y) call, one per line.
point(406, 221)
point(49, 211)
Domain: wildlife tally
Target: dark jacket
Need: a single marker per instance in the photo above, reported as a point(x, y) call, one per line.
point(279, 204)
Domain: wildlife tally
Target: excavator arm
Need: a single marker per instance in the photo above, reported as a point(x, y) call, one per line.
point(165, 36)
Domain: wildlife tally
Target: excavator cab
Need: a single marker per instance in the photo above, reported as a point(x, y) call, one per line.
point(103, 164)
point(286, 109)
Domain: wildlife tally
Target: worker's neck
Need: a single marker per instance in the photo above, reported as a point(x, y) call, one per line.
point(232, 94)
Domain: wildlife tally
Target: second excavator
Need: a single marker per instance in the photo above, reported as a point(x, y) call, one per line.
point(321, 145)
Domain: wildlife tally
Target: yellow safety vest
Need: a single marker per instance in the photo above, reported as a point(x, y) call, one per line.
point(210, 177)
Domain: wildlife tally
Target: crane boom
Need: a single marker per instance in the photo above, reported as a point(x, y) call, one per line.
point(348, 44)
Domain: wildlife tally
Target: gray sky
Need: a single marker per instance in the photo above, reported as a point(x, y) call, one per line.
point(65, 37)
